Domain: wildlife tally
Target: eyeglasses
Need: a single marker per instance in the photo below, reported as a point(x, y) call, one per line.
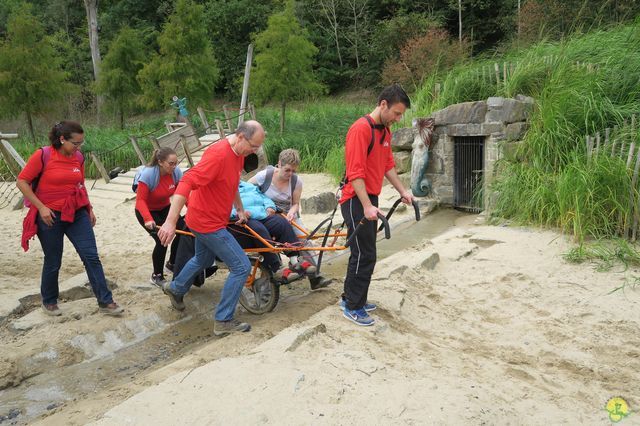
point(76, 144)
point(252, 145)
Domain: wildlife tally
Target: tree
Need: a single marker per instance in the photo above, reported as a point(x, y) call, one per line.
point(230, 41)
point(120, 67)
point(434, 51)
point(284, 62)
point(91, 7)
point(31, 78)
point(185, 66)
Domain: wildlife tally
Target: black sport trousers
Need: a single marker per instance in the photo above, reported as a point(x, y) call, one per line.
point(363, 252)
point(160, 251)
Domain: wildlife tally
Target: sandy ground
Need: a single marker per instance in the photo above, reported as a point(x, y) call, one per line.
point(478, 325)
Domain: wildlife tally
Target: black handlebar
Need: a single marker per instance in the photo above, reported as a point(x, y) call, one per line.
point(385, 225)
point(396, 204)
point(416, 209)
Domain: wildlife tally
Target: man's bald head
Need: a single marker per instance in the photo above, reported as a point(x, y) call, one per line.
point(249, 129)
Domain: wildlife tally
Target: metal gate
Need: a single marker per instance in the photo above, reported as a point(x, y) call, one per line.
point(468, 165)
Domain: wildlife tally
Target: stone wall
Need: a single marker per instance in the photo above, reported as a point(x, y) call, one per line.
point(503, 123)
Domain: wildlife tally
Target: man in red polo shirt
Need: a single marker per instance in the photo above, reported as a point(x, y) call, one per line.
point(212, 188)
point(368, 159)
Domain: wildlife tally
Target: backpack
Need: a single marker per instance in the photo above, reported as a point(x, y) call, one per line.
point(373, 127)
point(269, 177)
point(136, 180)
point(45, 156)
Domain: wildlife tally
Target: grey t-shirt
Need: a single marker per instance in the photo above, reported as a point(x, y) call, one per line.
point(282, 199)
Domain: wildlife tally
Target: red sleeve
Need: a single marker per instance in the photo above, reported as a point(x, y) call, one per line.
point(201, 174)
point(357, 143)
point(142, 194)
point(33, 168)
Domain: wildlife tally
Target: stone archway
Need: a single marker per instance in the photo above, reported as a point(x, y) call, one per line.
point(497, 124)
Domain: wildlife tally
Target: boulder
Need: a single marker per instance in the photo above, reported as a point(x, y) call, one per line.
point(403, 161)
point(324, 202)
point(464, 113)
point(402, 139)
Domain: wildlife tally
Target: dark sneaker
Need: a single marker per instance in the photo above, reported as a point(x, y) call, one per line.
point(319, 282)
point(157, 280)
point(368, 307)
point(51, 310)
point(176, 301)
point(358, 316)
point(112, 309)
point(286, 275)
point(168, 266)
point(221, 328)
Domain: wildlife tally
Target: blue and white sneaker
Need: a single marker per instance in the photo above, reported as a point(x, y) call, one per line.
point(367, 306)
point(359, 316)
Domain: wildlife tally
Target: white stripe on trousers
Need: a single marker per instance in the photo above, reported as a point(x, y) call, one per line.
point(354, 228)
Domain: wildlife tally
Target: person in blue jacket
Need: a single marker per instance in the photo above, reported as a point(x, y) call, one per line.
point(263, 219)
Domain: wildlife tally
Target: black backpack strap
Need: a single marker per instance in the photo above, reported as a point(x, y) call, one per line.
point(373, 133)
point(373, 127)
point(268, 177)
point(294, 182)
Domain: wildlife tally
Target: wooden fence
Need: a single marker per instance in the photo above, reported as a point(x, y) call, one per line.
point(621, 143)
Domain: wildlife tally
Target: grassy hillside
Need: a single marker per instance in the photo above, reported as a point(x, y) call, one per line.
point(553, 184)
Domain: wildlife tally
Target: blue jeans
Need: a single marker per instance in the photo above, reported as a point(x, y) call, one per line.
point(221, 244)
point(80, 233)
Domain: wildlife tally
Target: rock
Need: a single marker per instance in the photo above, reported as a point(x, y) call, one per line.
point(431, 261)
point(464, 113)
point(515, 131)
point(402, 139)
point(320, 203)
point(403, 161)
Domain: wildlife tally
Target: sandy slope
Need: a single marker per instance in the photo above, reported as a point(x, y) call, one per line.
point(480, 325)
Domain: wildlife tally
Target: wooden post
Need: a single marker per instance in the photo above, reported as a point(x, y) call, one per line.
point(185, 147)
point(496, 68)
point(8, 135)
point(136, 148)
point(245, 84)
point(100, 167)
point(589, 148)
point(205, 122)
point(227, 118)
point(631, 151)
point(155, 143)
point(504, 72)
point(168, 126)
point(13, 159)
point(220, 128)
point(597, 143)
point(252, 111)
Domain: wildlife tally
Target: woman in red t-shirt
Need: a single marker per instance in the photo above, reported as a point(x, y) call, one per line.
point(156, 184)
point(53, 182)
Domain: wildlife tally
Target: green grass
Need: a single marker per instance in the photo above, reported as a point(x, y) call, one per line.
point(552, 183)
point(315, 128)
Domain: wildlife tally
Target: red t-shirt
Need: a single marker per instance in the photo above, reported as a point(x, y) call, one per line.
point(371, 167)
point(210, 187)
point(61, 175)
point(155, 200)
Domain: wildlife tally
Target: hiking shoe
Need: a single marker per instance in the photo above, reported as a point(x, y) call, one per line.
point(358, 316)
point(51, 309)
point(368, 307)
point(286, 275)
point(319, 282)
point(157, 280)
point(305, 268)
point(168, 266)
point(112, 309)
point(221, 328)
point(176, 301)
